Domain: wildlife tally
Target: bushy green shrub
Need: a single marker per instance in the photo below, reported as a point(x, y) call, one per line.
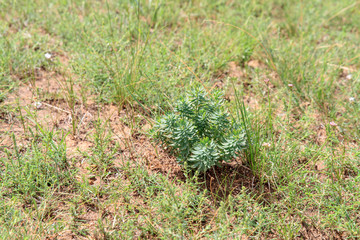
point(200, 132)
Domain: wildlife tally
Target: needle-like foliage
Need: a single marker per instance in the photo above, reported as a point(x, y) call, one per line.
point(200, 132)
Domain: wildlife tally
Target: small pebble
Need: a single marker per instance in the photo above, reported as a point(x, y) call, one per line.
point(267, 145)
point(38, 105)
point(333, 124)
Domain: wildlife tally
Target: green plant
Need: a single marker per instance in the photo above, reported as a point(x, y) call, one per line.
point(200, 131)
point(39, 170)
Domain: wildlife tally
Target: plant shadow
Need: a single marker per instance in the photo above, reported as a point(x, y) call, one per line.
point(220, 181)
point(228, 179)
point(231, 178)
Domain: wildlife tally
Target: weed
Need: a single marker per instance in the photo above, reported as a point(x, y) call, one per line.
point(200, 132)
point(33, 174)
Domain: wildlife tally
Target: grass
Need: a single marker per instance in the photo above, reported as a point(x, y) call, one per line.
point(76, 159)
